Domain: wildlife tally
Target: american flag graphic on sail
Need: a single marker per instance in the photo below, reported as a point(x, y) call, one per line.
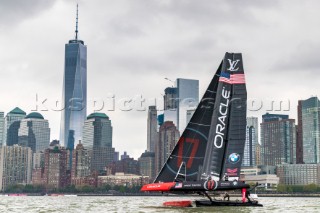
point(232, 78)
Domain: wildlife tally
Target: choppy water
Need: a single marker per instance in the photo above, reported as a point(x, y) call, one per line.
point(108, 204)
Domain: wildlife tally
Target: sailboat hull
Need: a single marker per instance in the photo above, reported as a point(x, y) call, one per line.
point(206, 203)
point(195, 186)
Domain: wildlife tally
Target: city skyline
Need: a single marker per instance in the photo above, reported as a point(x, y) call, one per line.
point(133, 47)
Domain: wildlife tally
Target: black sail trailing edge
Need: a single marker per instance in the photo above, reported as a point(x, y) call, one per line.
point(227, 133)
point(192, 144)
point(213, 141)
point(237, 122)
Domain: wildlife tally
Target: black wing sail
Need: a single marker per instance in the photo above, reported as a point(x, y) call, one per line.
point(221, 141)
point(237, 123)
point(192, 144)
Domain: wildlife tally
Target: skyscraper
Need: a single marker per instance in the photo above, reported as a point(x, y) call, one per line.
point(1, 128)
point(74, 100)
point(12, 125)
point(188, 96)
point(250, 148)
point(97, 136)
point(253, 121)
point(278, 139)
point(34, 132)
point(168, 137)
point(309, 130)
point(170, 98)
point(97, 131)
point(299, 150)
point(152, 128)
point(249, 154)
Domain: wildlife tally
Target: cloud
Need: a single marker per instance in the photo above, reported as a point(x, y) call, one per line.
point(305, 58)
point(13, 12)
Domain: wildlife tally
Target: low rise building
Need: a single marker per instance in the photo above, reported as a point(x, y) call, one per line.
point(123, 179)
point(263, 175)
point(299, 174)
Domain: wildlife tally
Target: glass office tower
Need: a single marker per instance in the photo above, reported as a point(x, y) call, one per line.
point(74, 94)
point(310, 129)
point(188, 95)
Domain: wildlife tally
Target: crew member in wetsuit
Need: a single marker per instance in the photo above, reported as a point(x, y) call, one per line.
point(226, 177)
point(248, 196)
point(226, 195)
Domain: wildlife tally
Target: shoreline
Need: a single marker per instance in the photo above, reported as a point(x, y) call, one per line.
point(149, 195)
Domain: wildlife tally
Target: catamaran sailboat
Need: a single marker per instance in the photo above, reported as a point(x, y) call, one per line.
point(209, 153)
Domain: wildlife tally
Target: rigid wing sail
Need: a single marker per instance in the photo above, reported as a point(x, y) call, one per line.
point(209, 153)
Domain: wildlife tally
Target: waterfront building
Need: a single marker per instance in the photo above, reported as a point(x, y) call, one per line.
point(299, 174)
point(12, 125)
point(97, 136)
point(309, 130)
point(126, 165)
point(252, 148)
point(278, 139)
point(146, 164)
point(101, 157)
point(258, 154)
point(74, 98)
point(188, 98)
point(2, 129)
point(253, 121)
point(250, 170)
point(299, 147)
point(122, 179)
point(15, 165)
point(249, 154)
point(97, 131)
point(268, 181)
point(38, 169)
point(38, 160)
point(152, 128)
point(38, 176)
point(55, 168)
point(81, 159)
point(168, 137)
point(264, 175)
point(34, 132)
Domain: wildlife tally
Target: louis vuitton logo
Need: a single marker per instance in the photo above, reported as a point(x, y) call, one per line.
point(233, 65)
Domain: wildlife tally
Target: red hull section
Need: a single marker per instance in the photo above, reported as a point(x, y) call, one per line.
point(182, 203)
point(158, 187)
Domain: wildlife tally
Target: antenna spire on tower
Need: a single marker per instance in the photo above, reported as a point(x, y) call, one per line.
point(77, 24)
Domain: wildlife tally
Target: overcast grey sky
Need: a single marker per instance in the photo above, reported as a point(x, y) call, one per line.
point(134, 44)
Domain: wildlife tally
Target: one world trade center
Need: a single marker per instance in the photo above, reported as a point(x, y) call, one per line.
point(74, 94)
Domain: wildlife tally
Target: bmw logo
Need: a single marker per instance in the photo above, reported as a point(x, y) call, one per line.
point(234, 158)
